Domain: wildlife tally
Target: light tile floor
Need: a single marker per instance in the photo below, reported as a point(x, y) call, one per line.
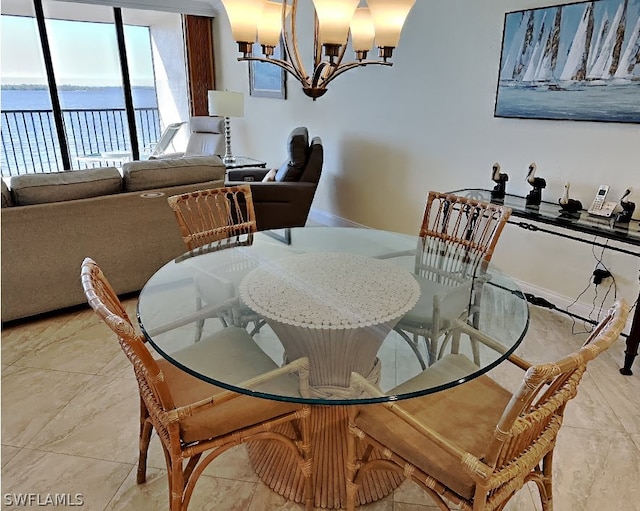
point(70, 425)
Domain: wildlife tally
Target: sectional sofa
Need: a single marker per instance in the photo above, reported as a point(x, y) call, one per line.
point(121, 219)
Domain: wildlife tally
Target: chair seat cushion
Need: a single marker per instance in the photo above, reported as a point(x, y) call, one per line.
point(466, 415)
point(448, 369)
point(237, 358)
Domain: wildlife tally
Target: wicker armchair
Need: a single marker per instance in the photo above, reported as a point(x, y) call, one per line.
point(193, 418)
point(457, 239)
point(476, 444)
point(207, 216)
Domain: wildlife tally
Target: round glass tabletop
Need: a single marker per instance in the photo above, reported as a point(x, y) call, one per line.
point(335, 316)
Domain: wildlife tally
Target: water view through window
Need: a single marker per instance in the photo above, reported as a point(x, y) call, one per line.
point(87, 71)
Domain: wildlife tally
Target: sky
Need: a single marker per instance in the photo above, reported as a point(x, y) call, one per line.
point(83, 53)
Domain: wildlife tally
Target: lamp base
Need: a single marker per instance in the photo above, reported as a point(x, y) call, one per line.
point(228, 155)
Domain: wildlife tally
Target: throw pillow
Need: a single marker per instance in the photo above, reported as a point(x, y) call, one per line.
point(269, 176)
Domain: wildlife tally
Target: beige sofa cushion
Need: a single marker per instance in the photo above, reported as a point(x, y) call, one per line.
point(64, 186)
point(146, 175)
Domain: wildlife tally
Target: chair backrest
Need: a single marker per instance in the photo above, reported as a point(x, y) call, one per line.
point(104, 301)
point(166, 138)
point(205, 137)
point(206, 216)
point(457, 235)
point(532, 419)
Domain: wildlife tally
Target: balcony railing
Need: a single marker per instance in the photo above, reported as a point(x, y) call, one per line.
point(30, 143)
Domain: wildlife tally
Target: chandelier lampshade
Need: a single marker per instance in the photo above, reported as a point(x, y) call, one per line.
point(337, 23)
point(334, 17)
point(362, 32)
point(388, 19)
point(270, 26)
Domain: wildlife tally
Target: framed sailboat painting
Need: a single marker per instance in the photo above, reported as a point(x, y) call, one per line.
point(578, 61)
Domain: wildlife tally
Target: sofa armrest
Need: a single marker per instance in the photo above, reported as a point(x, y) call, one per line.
point(246, 175)
point(166, 156)
point(280, 204)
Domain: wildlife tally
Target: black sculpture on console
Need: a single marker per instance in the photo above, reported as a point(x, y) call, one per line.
point(568, 205)
point(535, 195)
point(499, 190)
point(628, 207)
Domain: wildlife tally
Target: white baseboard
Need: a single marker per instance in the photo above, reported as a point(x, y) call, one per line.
point(561, 302)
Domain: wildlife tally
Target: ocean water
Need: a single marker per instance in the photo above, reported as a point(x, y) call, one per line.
point(88, 98)
point(95, 121)
point(613, 102)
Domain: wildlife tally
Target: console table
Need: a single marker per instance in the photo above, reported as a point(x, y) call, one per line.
point(549, 213)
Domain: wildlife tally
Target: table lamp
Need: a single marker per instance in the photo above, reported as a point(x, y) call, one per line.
point(226, 104)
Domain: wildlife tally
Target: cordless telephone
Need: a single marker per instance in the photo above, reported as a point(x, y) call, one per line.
point(599, 207)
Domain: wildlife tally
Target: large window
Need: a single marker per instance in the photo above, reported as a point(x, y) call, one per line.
point(78, 86)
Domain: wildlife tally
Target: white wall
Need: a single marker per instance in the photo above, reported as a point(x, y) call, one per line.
point(169, 66)
point(392, 134)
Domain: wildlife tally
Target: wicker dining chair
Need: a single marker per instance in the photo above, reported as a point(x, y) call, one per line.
point(475, 445)
point(207, 216)
point(210, 215)
point(196, 421)
point(457, 239)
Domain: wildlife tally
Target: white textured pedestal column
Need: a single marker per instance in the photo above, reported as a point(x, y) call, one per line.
point(336, 309)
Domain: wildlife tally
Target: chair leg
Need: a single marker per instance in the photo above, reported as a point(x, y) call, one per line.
point(200, 322)
point(146, 428)
point(351, 468)
point(413, 345)
point(305, 426)
point(547, 481)
point(176, 488)
point(432, 346)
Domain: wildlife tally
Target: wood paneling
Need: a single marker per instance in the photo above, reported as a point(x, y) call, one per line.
point(198, 40)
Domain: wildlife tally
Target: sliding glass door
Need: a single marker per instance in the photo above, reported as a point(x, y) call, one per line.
point(78, 86)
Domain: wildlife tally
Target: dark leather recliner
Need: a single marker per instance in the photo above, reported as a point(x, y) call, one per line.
point(286, 201)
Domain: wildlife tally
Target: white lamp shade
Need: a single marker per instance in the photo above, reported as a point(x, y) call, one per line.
point(334, 17)
point(225, 103)
point(362, 31)
point(243, 17)
point(270, 24)
point(388, 19)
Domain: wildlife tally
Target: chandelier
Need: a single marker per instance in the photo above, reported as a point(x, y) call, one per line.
point(336, 21)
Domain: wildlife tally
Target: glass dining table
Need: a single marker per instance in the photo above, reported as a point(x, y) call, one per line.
point(336, 296)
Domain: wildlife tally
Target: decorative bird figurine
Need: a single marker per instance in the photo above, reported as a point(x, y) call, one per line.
point(567, 204)
point(498, 177)
point(535, 195)
point(628, 207)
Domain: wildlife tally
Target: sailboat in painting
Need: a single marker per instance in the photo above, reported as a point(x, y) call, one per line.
point(575, 67)
point(572, 48)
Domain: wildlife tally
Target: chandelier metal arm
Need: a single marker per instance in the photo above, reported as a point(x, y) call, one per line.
point(317, 74)
point(345, 67)
point(291, 44)
point(276, 62)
